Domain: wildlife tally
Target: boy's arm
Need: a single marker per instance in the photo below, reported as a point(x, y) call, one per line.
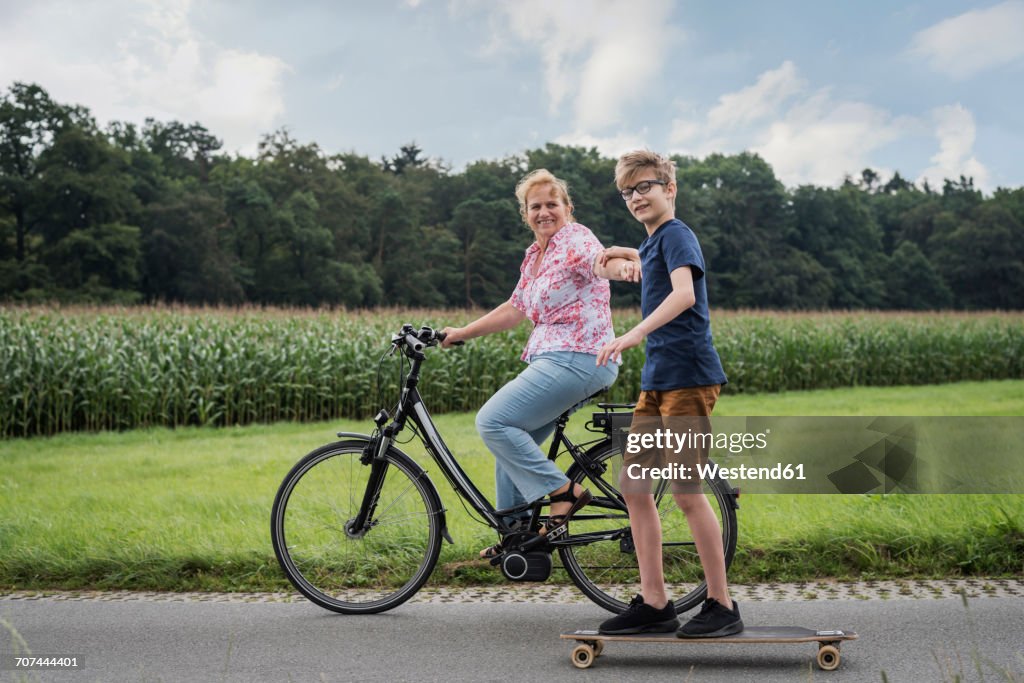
point(681, 298)
point(624, 268)
point(619, 252)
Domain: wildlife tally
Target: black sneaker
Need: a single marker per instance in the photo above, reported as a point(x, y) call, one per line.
point(713, 621)
point(642, 618)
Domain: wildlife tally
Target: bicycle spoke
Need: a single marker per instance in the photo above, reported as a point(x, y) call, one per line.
point(398, 498)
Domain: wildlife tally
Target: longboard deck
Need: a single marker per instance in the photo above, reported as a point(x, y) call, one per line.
point(591, 643)
point(751, 634)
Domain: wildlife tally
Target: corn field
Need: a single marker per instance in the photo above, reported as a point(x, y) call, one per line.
point(114, 369)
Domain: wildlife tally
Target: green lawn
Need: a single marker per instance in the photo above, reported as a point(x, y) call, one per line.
point(1004, 397)
point(189, 509)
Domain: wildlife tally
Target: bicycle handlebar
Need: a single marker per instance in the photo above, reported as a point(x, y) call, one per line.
point(417, 340)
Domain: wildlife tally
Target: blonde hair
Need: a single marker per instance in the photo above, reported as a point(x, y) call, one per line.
point(633, 163)
point(541, 176)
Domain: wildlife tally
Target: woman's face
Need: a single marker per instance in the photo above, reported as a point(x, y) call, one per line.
point(546, 212)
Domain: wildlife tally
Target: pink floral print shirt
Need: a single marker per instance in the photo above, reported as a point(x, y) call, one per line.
point(568, 304)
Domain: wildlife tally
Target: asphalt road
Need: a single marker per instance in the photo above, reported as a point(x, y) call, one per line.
point(908, 640)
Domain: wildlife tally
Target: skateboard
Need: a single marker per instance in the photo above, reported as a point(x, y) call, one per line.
point(591, 643)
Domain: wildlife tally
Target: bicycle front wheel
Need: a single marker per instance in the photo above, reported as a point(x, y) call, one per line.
point(356, 572)
point(605, 569)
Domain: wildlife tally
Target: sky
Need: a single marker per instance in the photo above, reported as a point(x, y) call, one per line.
point(821, 90)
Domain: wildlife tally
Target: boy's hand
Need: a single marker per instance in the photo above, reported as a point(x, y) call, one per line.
point(613, 349)
point(618, 252)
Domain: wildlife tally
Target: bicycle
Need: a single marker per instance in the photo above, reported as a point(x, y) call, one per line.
point(357, 524)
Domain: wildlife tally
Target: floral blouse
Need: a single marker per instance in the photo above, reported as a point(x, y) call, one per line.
point(568, 304)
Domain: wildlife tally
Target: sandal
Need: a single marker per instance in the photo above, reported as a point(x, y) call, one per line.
point(518, 529)
point(559, 524)
point(491, 552)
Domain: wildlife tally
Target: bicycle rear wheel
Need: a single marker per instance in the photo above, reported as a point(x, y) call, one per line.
point(356, 573)
point(606, 570)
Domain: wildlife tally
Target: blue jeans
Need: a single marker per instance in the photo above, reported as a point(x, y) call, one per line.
point(521, 416)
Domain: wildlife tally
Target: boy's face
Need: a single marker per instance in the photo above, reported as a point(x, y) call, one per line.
point(657, 205)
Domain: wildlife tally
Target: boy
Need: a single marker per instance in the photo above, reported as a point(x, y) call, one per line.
point(681, 377)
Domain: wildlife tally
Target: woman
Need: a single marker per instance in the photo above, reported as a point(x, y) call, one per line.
point(563, 289)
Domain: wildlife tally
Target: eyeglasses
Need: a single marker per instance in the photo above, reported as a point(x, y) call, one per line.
point(643, 187)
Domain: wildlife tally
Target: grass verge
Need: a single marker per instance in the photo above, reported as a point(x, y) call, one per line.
point(189, 509)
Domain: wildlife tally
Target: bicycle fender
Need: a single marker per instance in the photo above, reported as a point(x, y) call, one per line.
point(354, 435)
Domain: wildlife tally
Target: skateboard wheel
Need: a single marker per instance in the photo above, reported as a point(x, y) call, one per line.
point(582, 656)
point(828, 657)
point(598, 648)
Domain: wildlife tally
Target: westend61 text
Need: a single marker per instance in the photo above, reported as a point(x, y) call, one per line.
point(778, 472)
point(666, 439)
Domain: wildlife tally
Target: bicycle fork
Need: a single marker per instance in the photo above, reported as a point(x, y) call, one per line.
point(373, 455)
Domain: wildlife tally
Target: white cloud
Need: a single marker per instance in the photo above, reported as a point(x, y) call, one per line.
point(599, 54)
point(974, 41)
point(757, 101)
point(128, 61)
point(807, 137)
point(608, 145)
point(955, 131)
point(684, 130)
point(335, 82)
point(820, 140)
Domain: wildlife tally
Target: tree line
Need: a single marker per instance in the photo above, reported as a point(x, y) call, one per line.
point(158, 213)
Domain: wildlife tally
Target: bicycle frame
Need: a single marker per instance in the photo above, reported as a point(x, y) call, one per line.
point(411, 406)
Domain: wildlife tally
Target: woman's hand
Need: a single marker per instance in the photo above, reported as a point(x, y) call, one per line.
point(628, 271)
point(452, 335)
point(618, 263)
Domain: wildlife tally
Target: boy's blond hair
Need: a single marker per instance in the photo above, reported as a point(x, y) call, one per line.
point(631, 164)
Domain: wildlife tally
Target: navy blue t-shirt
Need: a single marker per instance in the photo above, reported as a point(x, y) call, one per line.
point(680, 353)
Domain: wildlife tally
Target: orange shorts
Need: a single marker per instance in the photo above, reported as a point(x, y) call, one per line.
point(669, 435)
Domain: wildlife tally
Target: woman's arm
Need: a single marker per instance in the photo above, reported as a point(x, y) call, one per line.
point(504, 317)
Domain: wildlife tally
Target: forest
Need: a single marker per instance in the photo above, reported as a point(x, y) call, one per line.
point(158, 213)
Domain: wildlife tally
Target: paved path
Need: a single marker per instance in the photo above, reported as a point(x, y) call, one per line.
point(550, 593)
point(915, 633)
